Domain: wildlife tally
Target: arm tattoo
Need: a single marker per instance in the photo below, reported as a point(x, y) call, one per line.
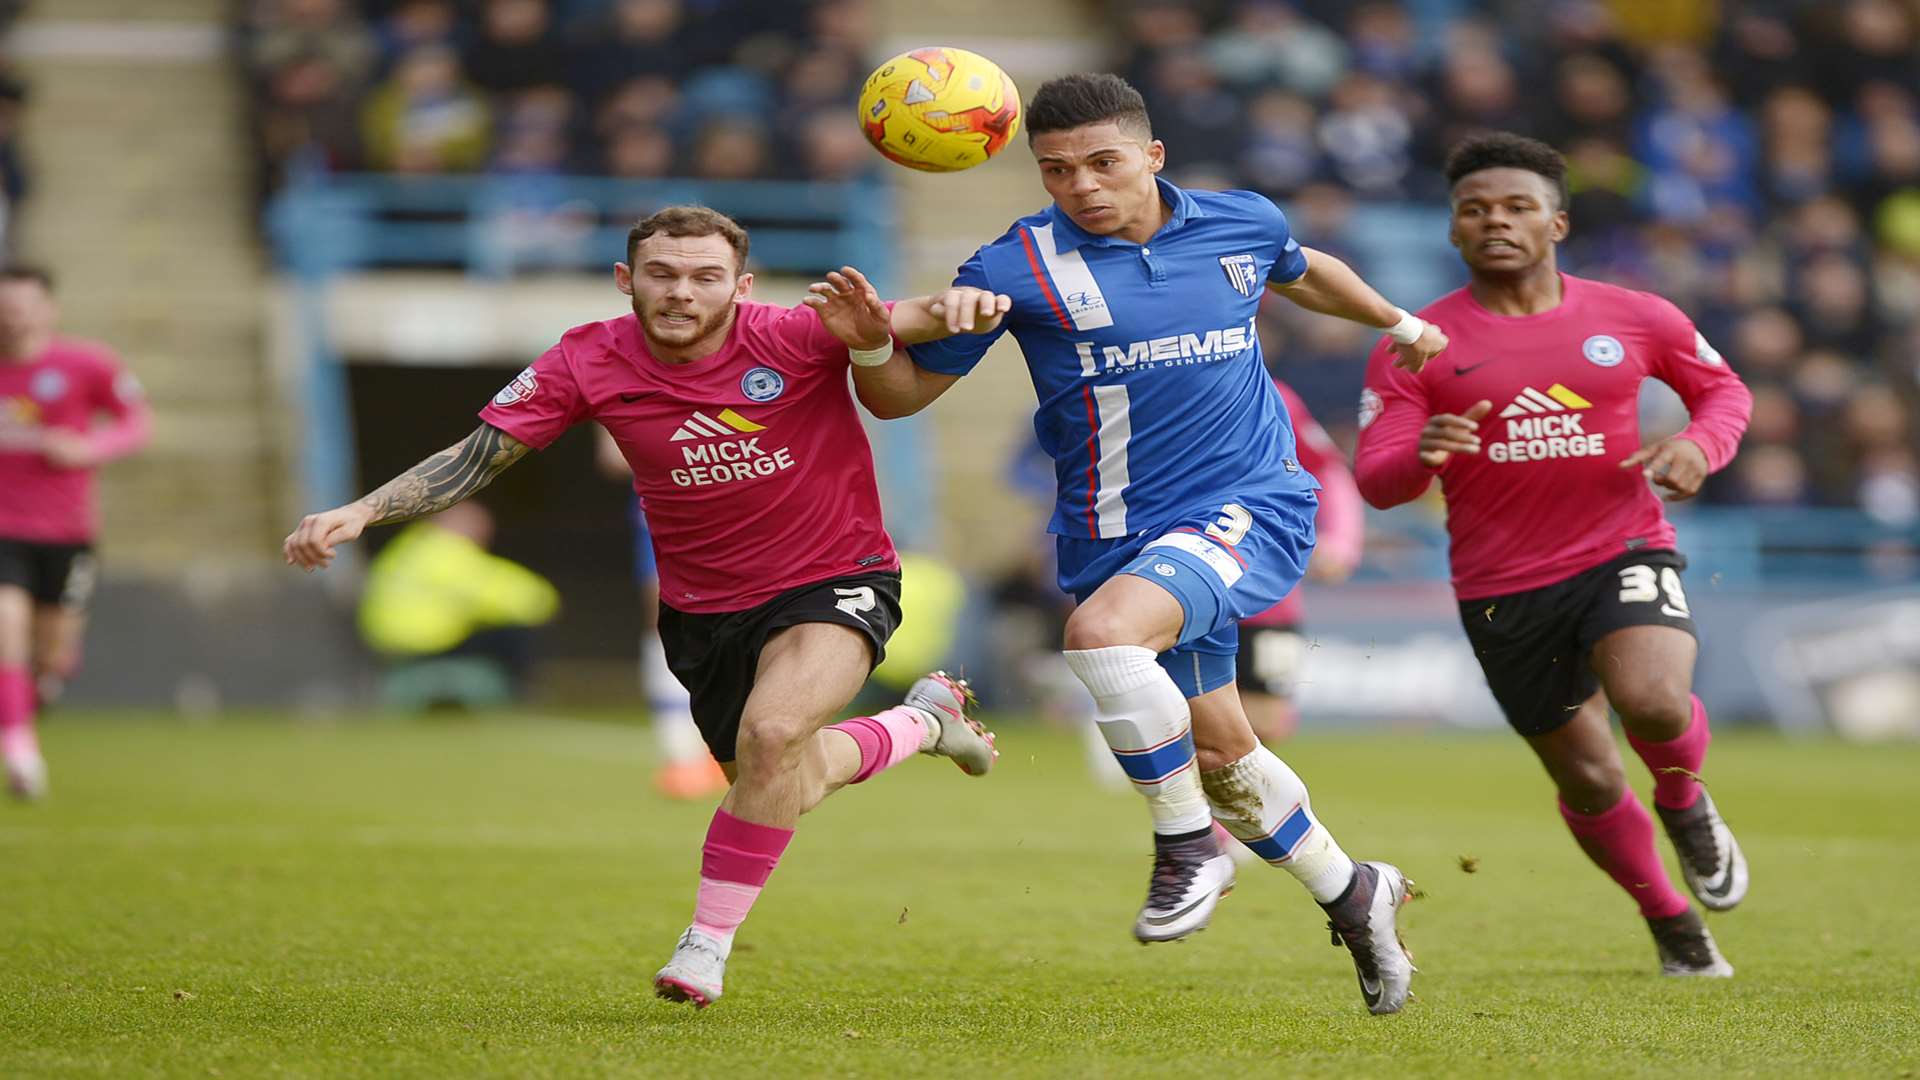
point(447, 477)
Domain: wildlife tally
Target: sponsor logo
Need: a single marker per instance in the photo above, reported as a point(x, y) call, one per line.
point(1370, 408)
point(1170, 351)
point(720, 454)
point(1083, 303)
point(1458, 370)
point(48, 386)
point(1163, 569)
point(1704, 352)
point(520, 389)
point(1546, 425)
point(1243, 273)
point(1604, 350)
point(762, 384)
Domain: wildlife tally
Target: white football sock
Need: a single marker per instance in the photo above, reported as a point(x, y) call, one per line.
point(1144, 719)
point(1264, 804)
point(674, 731)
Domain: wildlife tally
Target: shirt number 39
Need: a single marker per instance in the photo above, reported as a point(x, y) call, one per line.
point(1642, 585)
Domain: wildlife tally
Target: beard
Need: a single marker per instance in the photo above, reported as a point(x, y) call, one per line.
point(679, 335)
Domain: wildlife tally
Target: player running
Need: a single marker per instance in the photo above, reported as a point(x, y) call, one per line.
point(1182, 507)
point(53, 393)
point(731, 414)
point(1272, 645)
point(1563, 561)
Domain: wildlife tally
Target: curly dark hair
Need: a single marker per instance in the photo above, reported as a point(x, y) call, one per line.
point(1505, 150)
point(1073, 101)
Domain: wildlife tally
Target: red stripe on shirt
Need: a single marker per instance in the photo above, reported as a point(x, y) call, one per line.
point(1093, 461)
point(1039, 275)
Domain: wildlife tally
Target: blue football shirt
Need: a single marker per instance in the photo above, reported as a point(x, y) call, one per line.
point(1154, 400)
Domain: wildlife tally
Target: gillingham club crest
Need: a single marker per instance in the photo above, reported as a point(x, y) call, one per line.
point(1243, 273)
point(1604, 350)
point(762, 384)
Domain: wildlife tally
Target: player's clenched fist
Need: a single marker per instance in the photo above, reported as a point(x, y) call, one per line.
point(1447, 434)
point(1677, 464)
point(311, 544)
point(968, 310)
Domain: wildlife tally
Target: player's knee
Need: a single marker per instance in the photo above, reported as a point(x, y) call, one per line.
point(1654, 708)
point(1590, 787)
point(1099, 626)
point(773, 741)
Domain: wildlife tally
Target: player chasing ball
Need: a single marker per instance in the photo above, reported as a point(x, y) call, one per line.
point(1182, 507)
point(727, 411)
point(1563, 561)
point(53, 390)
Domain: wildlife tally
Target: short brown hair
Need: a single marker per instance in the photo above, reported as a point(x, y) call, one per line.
point(690, 221)
point(22, 272)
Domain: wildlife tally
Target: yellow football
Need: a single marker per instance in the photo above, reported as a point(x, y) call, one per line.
point(939, 109)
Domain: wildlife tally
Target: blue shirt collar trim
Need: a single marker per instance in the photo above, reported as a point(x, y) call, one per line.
point(1067, 236)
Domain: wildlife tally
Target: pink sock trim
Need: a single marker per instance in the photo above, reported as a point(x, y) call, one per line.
point(16, 711)
point(885, 739)
point(1676, 763)
point(735, 863)
point(1620, 842)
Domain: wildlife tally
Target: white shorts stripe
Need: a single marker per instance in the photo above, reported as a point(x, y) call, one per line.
point(1225, 566)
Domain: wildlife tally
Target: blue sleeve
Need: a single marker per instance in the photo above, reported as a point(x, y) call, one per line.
point(1290, 262)
point(958, 354)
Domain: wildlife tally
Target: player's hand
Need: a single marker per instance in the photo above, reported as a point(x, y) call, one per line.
point(312, 543)
point(1414, 356)
point(1677, 464)
point(968, 310)
point(67, 450)
point(850, 309)
point(1326, 569)
point(1447, 434)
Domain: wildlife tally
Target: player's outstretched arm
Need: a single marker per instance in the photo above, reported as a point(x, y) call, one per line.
point(885, 378)
point(1330, 287)
point(428, 488)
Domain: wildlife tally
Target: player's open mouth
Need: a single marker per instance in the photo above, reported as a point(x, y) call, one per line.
point(1096, 211)
point(675, 318)
point(1493, 246)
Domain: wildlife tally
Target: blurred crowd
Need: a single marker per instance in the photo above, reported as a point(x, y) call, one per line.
point(13, 100)
point(711, 89)
point(1758, 163)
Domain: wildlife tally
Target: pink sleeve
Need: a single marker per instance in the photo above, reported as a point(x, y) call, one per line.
point(808, 340)
point(118, 394)
point(1340, 524)
point(1717, 401)
point(1393, 409)
point(541, 403)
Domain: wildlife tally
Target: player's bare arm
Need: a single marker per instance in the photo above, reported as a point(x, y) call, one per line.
point(433, 485)
point(894, 386)
point(1447, 434)
point(1330, 287)
point(1677, 464)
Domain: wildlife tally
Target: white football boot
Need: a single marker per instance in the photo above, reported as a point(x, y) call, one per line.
point(955, 733)
point(1365, 921)
point(1710, 858)
point(1687, 949)
point(1189, 879)
point(696, 972)
point(27, 775)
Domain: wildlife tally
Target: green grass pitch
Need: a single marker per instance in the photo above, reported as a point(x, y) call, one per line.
point(465, 898)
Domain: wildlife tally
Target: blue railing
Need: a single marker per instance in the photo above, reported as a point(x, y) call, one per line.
point(495, 226)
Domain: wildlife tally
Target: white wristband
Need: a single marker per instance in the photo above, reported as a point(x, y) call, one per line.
point(1408, 329)
point(871, 357)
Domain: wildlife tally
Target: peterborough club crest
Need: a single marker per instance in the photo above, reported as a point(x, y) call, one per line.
point(1243, 273)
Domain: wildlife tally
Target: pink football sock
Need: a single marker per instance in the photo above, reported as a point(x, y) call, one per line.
point(885, 739)
point(1676, 763)
point(1620, 841)
point(735, 863)
point(16, 712)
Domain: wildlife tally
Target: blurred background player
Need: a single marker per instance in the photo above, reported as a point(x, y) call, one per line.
point(687, 770)
point(454, 621)
point(727, 410)
point(66, 408)
point(1181, 505)
point(1272, 645)
point(1563, 559)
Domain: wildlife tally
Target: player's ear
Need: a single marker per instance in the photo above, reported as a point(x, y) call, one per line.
point(742, 286)
point(1562, 225)
point(1156, 156)
point(623, 278)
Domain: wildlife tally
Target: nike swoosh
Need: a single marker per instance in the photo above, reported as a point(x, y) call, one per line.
point(1371, 993)
point(631, 398)
point(1458, 370)
point(1162, 920)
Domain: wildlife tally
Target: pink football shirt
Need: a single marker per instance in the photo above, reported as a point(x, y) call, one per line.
point(1339, 524)
point(1545, 497)
point(755, 472)
point(68, 387)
